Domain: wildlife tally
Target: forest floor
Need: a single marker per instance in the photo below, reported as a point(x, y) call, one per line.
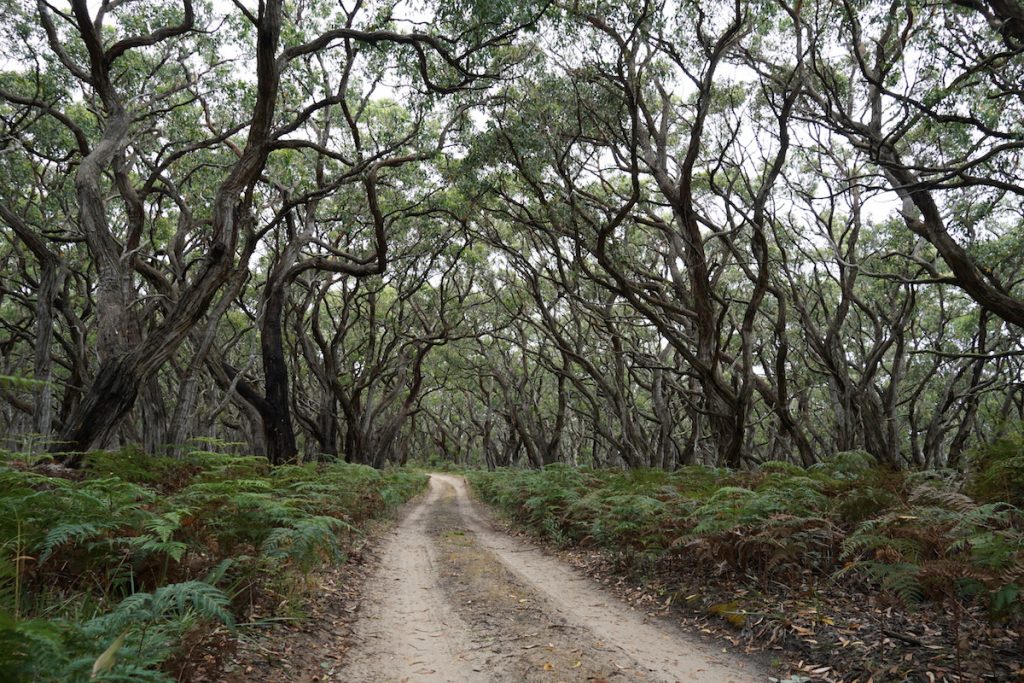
point(447, 597)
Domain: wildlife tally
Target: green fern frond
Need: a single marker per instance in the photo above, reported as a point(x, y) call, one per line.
point(71, 533)
point(952, 500)
point(900, 579)
point(306, 541)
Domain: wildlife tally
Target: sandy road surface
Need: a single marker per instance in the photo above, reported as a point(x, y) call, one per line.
point(456, 601)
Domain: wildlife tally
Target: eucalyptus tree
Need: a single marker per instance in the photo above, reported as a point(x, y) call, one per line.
point(44, 267)
point(366, 340)
point(931, 95)
point(646, 234)
point(640, 164)
point(312, 228)
point(160, 119)
point(653, 156)
point(591, 344)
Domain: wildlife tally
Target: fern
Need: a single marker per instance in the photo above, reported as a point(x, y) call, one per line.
point(998, 471)
point(942, 498)
point(186, 599)
point(307, 542)
point(151, 545)
point(104, 548)
point(208, 602)
point(71, 533)
point(846, 465)
point(901, 578)
point(913, 535)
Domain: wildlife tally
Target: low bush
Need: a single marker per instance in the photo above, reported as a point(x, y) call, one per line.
point(918, 535)
point(997, 472)
point(105, 571)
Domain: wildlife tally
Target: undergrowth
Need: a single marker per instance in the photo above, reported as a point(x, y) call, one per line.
point(917, 535)
point(106, 571)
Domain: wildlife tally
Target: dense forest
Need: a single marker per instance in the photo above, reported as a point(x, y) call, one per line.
point(636, 235)
point(769, 247)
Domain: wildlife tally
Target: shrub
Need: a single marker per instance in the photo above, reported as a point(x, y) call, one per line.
point(997, 472)
point(125, 561)
point(915, 534)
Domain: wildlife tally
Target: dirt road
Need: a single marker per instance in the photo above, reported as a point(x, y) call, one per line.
point(456, 601)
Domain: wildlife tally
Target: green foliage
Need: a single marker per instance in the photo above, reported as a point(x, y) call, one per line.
point(943, 545)
point(18, 383)
point(114, 566)
point(132, 465)
point(917, 536)
point(144, 626)
point(306, 541)
point(846, 465)
point(997, 472)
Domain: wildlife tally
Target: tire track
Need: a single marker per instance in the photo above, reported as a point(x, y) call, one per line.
point(454, 601)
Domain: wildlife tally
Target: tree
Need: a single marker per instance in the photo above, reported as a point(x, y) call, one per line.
point(167, 55)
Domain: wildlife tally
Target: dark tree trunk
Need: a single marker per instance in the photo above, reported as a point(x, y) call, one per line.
point(155, 421)
point(110, 398)
point(327, 426)
point(50, 283)
point(277, 421)
point(121, 375)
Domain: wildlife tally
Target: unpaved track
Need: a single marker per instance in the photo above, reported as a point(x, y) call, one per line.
point(408, 632)
point(456, 601)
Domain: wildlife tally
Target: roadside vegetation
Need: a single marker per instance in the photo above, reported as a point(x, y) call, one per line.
point(134, 568)
point(841, 540)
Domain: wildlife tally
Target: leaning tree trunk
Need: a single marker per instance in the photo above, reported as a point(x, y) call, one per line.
point(121, 375)
point(110, 397)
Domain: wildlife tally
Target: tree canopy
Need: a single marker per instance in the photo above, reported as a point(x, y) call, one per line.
point(642, 234)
